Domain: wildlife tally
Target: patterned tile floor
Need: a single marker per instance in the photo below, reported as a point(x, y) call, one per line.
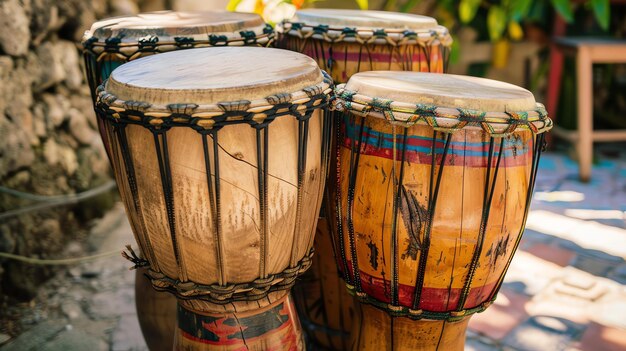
point(566, 287)
point(565, 290)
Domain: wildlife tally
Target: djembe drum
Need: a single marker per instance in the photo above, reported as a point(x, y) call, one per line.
point(114, 41)
point(345, 42)
point(432, 188)
point(220, 158)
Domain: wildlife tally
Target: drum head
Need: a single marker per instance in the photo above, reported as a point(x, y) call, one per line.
point(171, 24)
point(365, 19)
point(443, 90)
point(213, 75)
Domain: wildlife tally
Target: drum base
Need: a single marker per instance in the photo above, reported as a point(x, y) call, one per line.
point(375, 330)
point(273, 327)
point(156, 312)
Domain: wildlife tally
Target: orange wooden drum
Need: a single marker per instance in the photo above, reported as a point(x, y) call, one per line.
point(114, 41)
point(345, 42)
point(220, 156)
point(433, 183)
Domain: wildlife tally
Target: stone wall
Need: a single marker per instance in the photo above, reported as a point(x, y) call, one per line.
point(49, 143)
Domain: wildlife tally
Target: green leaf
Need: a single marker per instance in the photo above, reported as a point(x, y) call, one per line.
point(496, 22)
point(455, 50)
point(232, 5)
point(602, 12)
point(363, 4)
point(468, 9)
point(564, 8)
point(519, 9)
point(409, 5)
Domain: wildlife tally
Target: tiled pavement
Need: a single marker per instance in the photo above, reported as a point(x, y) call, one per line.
point(566, 287)
point(565, 290)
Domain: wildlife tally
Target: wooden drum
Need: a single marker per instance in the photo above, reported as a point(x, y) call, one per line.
point(432, 188)
point(345, 42)
point(114, 41)
point(220, 156)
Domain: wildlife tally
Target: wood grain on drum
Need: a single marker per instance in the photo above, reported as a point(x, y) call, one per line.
point(273, 327)
point(222, 195)
point(345, 42)
point(156, 312)
point(378, 331)
point(428, 214)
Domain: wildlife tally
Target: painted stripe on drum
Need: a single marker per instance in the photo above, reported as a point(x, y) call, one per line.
point(432, 299)
point(423, 144)
point(378, 57)
point(273, 324)
point(419, 148)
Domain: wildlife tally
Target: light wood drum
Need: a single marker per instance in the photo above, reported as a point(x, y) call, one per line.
point(114, 41)
point(432, 187)
point(345, 42)
point(220, 156)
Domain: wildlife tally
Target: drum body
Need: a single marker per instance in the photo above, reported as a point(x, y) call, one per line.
point(326, 309)
point(345, 42)
point(430, 202)
point(112, 42)
point(156, 312)
point(221, 170)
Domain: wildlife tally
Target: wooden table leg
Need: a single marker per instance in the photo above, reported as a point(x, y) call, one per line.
point(585, 113)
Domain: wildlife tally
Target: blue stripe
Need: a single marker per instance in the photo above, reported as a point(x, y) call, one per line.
point(381, 140)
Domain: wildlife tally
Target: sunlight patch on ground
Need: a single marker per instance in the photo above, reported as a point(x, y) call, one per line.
point(559, 196)
point(595, 214)
point(587, 234)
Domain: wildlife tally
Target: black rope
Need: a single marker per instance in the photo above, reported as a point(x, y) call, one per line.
point(394, 223)
point(488, 192)
point(432, 203)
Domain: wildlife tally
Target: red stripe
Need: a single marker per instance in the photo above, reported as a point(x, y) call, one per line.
point(236, 341)
point(416, 157)
point(432, 299)
point(378, 57)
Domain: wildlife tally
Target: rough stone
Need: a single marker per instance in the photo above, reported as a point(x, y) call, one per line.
point(17, 96)
point(72, 310)
point(15, 34)
point(4, 338)
point(70, 64)
point(72, 339)
point(124, 7)
point(60, 155)
point(7, 242)
point(50, 58)
point(15, 148)
point(56, 107)
point(108, 304)
point(79, 127)
point(33, 338)
point(125, 335)
point(44, 18)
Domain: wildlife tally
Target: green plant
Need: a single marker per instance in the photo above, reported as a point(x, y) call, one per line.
point(503, 18)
